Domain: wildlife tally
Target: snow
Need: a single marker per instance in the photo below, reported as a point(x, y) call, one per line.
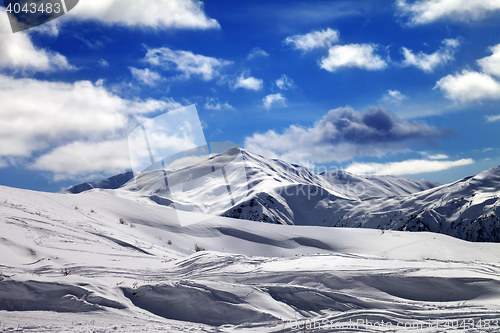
point(262, 190)
point(468, 209)
point(132, 267)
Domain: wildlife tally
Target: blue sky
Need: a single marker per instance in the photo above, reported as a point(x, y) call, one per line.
point(407, 88)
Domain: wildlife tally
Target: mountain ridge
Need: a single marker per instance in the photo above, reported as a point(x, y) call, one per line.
point(275, 191)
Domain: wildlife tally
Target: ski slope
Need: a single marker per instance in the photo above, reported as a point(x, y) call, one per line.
point(108, 261)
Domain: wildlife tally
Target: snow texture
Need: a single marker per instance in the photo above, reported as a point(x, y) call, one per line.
point(111, 260)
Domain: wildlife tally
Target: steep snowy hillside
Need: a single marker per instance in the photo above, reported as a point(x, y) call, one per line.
point(108, 261)
point(468, 209)
point(283, 193)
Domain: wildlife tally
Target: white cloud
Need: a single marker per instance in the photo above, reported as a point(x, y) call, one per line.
point(183, 14)
point(428, 62)
point(5, 27)
point(409, 167)
point(19, 54)
point(353, 55)
point(438, 157)
point(214, 104)
point(49, 29)
point(56, 113)
point(250, 83)
point(186, 62)
point(341, 135)
point(91, 43)
point(145, 76)
point(273, 99)
point(103, 63)
point(79, 158)
point(312, 40)
point(492, 119)
point(428, 11)
point(393, 96)
point(285, 83)
point(435, 156)
point(491, 64)
point(469, 86)
point(257, 52)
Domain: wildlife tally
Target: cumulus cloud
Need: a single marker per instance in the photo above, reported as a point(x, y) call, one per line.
point(249, 83)
point(353, 55)
point(78, 158)
point(58, 114)
point(19, 54)
point(214, 104)
point(181, 14)
point(393, 96)
point(469, 86)
point(273, 99)
point(186, 62)
point(284, 83)
point(312, 40)
point(145, 76)
point(428, 62)
point(54, 111)
point(491, 64)
point(343, 134)
point(428, 11)
point(409, 167)
point(257, 52)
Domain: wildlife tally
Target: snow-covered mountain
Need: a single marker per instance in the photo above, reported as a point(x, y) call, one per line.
point(278, 192)
point(468, 209)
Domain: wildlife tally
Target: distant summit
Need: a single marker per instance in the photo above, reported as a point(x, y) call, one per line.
point(111, 183)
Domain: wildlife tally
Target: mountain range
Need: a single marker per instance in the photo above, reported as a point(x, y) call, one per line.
point(274, 191)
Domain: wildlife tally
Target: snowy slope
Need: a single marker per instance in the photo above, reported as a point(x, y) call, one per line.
point(467, 209)
point(131, 267)
point(283, 193)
